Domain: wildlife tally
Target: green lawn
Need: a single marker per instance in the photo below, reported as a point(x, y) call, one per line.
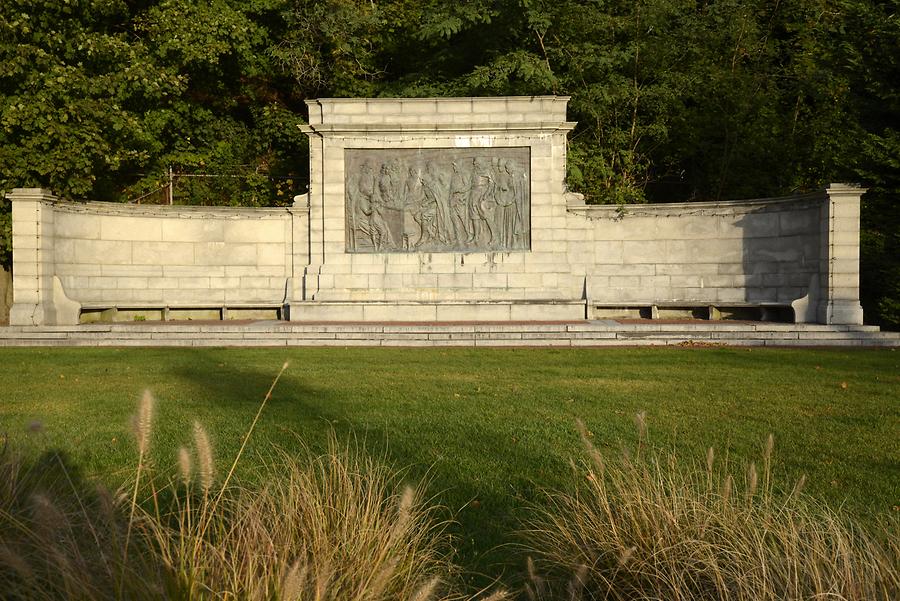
point(492, 426)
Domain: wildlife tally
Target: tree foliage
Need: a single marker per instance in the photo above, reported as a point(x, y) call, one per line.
point(75, 88)
point(675, 99)
point(101, 96)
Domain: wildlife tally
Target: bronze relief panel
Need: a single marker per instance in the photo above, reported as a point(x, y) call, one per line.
point(438, 200)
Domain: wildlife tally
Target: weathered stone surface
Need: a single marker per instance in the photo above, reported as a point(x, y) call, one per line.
point(129, 228)
point(441, 209)
point(192, 230)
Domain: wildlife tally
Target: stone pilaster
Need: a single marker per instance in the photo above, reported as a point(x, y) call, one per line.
point(38, 295)
point(839, 256)
point(32, 231)
point(297, 247)
point(315, 238)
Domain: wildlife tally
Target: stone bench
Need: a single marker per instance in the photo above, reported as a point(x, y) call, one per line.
point(104, 312)
point(745, 311)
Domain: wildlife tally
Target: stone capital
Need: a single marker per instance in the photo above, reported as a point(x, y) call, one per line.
point(31, 195)
point(842, 192)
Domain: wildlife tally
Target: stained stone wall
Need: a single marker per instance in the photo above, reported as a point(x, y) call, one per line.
point(69, 257)
point(764, 252)
point(500, 262)
point(441, 210)
point(799, 252)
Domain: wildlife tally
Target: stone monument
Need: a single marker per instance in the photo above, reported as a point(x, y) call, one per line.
point(450, 209)
point(437, 209)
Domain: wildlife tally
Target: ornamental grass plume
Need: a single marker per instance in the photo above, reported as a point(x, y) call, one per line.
point(62, 537)
point(334, 526)
point(143, 422)
point(206, 465)
point(664, 528)
point(324, 527)
point(338, 526)
point(185, 466)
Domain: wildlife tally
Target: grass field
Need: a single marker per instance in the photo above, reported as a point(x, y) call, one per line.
point(490, 429)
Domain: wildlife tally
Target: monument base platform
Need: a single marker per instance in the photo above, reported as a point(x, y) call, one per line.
point(580, 333)
point(406, 311)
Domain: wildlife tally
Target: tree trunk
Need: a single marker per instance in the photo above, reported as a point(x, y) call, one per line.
point(5, 296)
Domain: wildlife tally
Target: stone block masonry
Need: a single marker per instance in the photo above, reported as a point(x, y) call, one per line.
point(449, 209)
point(754, 252)
point(70, 257)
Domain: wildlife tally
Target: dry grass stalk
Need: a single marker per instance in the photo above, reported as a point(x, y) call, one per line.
point(653, 530)
point(320, 528)
point(327, 527)
point(185, 466)
point(640, 421)
point(143, 430)
point(61, 538)
point(206, 465)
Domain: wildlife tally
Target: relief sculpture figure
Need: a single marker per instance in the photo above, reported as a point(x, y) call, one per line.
point(506, 194)
point(415, 214)
point(480, 202)
point(437, 191)
point(460, 183)
point(360, 190)
point(437, 200)
point(390, 183)
point(379, 230)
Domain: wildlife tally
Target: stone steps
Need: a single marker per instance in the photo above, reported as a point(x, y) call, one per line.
point(572, 334)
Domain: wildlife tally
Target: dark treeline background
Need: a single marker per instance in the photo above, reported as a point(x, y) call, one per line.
point(676, 99)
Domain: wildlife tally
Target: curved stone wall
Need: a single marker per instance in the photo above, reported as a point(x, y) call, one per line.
point(105, 255)
point(765, 251)
point(441, 210)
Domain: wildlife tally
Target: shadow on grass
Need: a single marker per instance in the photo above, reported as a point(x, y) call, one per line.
point(485, 514)
point(60, 532)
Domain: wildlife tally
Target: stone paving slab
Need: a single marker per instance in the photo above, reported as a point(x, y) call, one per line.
point(472, 334)
point(756, 335)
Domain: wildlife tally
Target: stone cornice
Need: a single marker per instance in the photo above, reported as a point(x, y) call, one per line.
point(726, 207)
point(176, 211)
point(469, 129)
